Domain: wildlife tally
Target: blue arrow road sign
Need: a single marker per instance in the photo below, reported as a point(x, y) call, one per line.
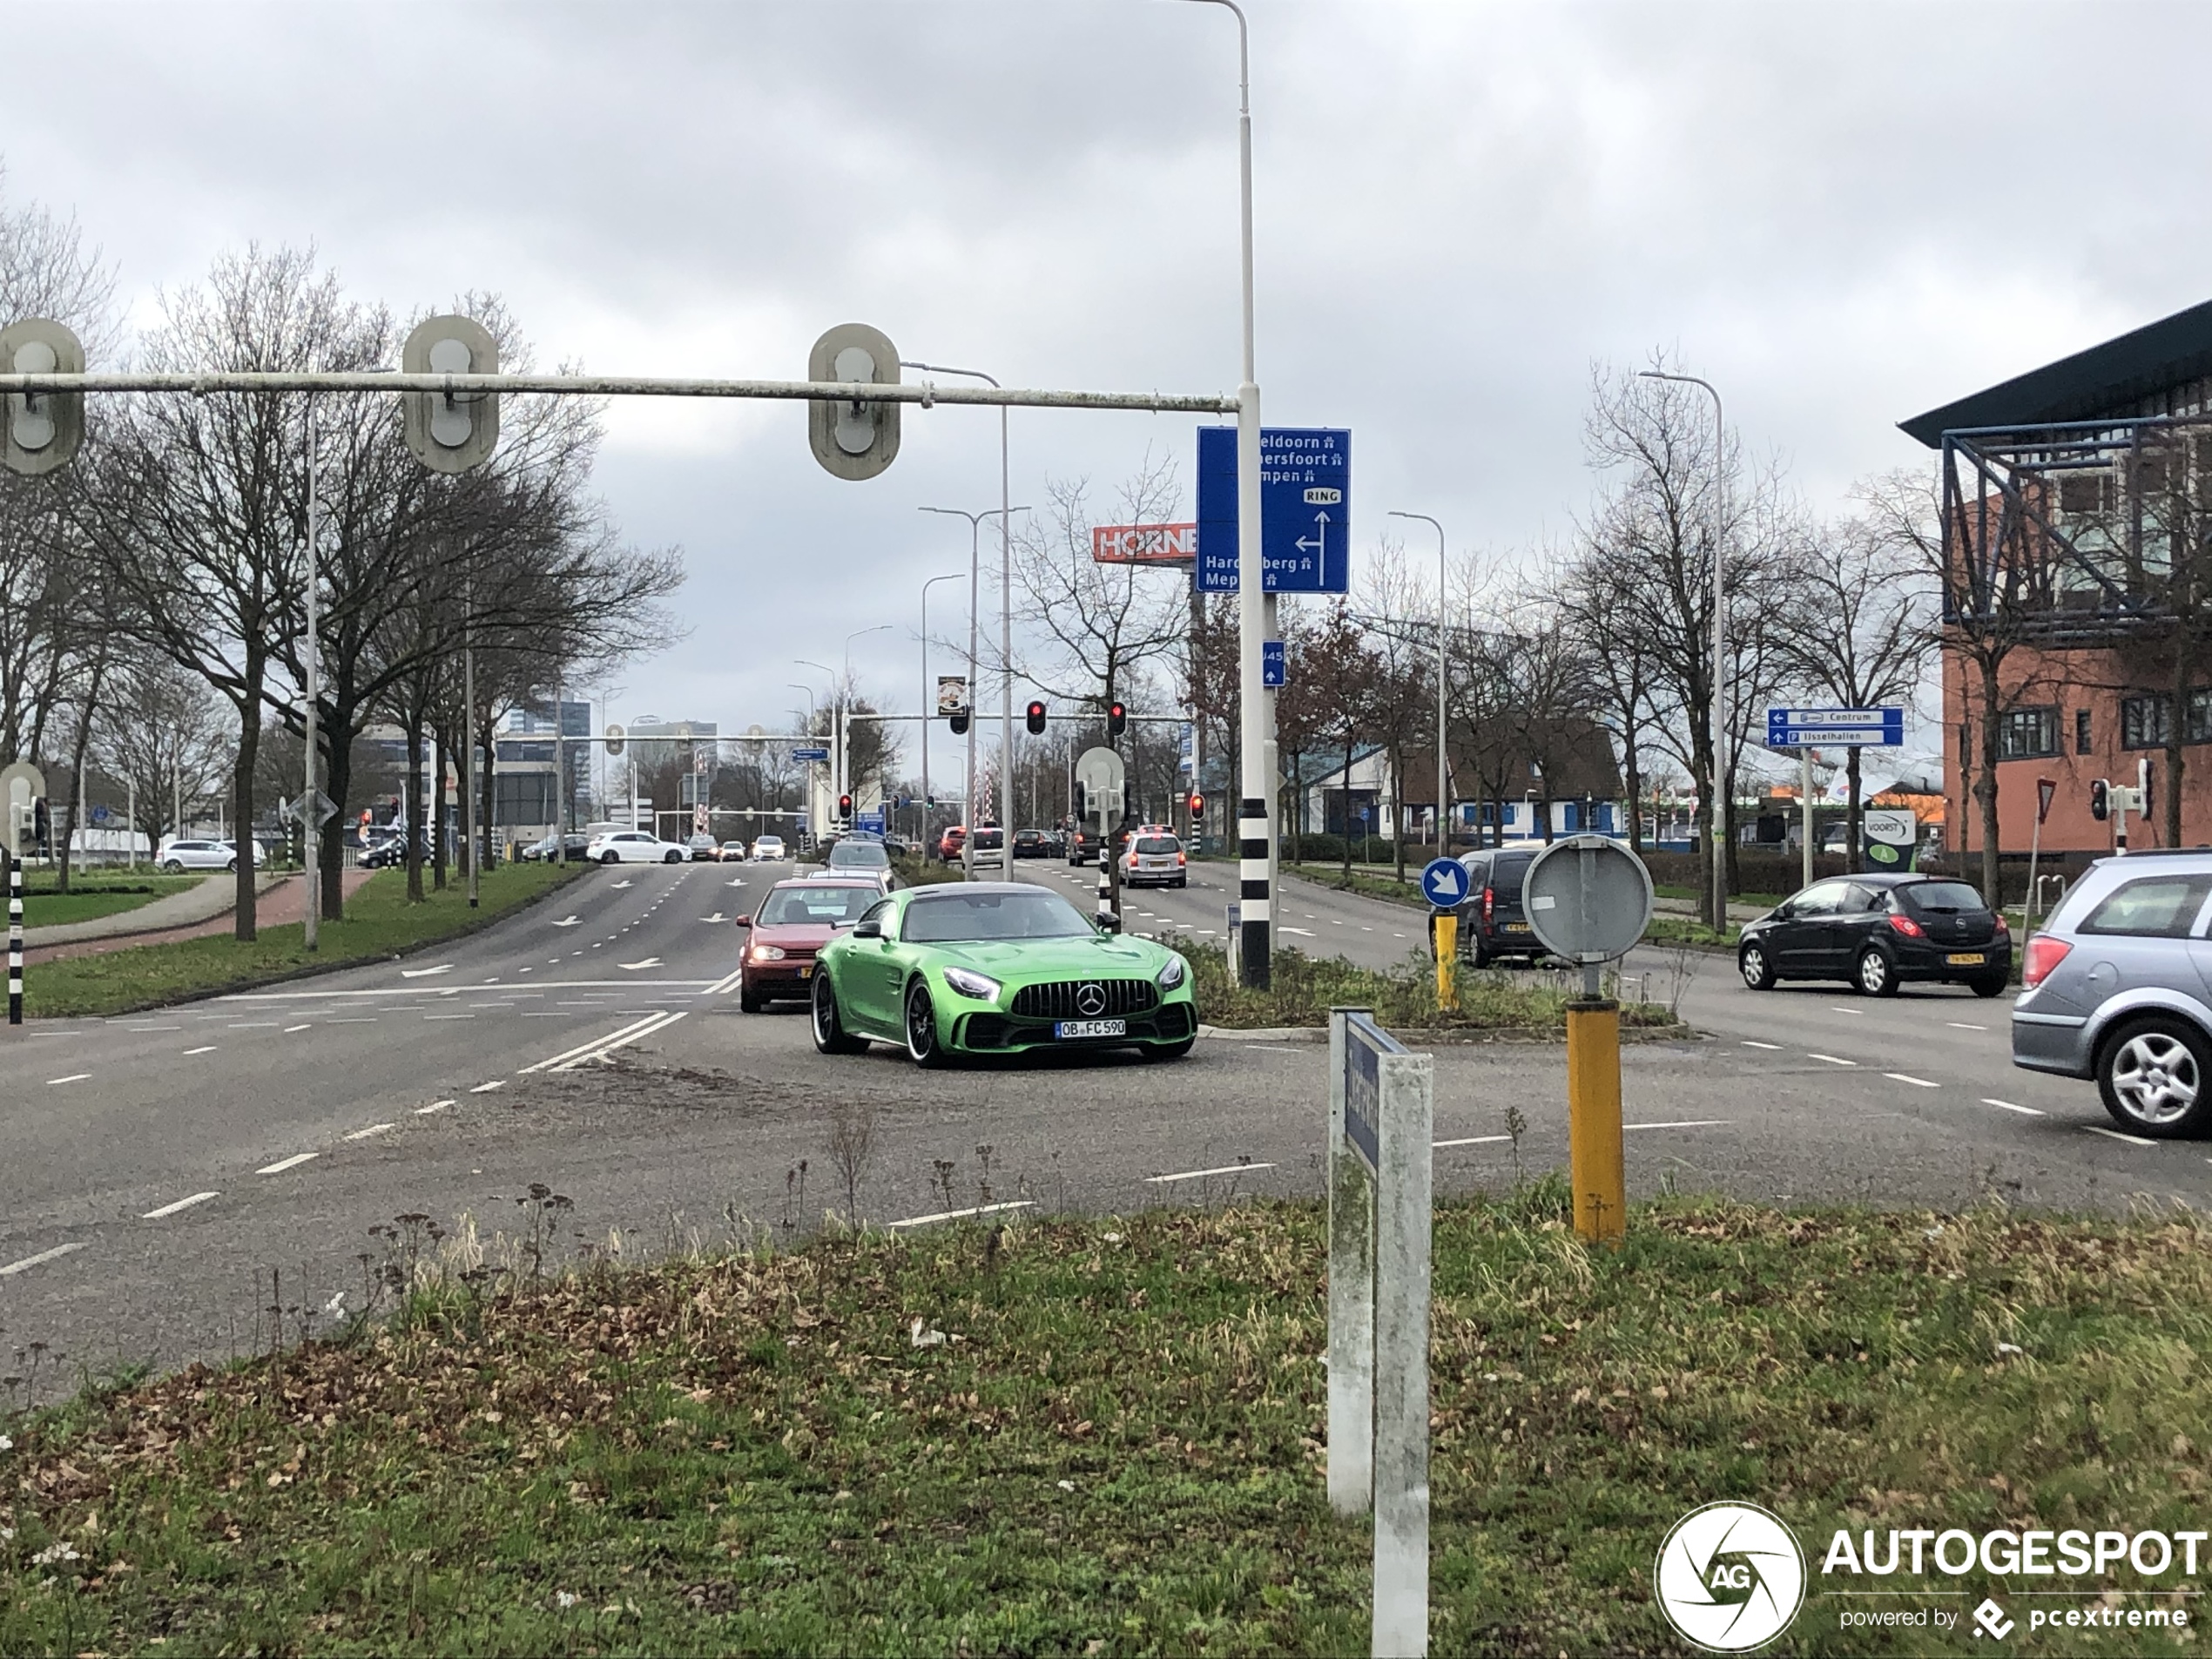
point(1444, 883)
point(1273, 669)
point(1305, 509)
point(1835, 728)
point(810, 754)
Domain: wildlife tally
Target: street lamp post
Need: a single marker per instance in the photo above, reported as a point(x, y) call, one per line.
point(310, 828)
point(1442, 844)
point(1720, 646)
point(1256, 705)
point(811, 711)
point(974, 580)
point(837, 710)
point(924, 704)
point(844, 725)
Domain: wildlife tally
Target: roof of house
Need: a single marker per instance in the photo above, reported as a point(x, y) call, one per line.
point(1578, 750)
point(2103, 380)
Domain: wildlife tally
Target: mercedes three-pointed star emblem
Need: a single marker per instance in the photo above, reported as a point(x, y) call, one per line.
point(1090, 999)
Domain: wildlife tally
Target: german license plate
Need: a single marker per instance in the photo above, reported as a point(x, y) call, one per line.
point(806, 970)
point(1965, 959)
point(1090, 1029)
point(1516, 927)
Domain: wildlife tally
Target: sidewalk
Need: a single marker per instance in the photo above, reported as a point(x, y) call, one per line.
point(277, 902)
point(211, 896)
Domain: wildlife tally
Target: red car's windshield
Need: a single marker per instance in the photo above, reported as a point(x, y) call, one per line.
point(823, 906)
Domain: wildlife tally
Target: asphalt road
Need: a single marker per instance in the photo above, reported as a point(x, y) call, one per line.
point(159, 1168)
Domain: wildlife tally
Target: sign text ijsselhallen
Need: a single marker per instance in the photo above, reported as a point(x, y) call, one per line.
point(1305, 509)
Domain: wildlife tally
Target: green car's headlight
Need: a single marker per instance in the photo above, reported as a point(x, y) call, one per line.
point(981, 986)
point(1171, 975)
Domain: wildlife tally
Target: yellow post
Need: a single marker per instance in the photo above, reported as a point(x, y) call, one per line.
point(1447, 957)
point(1594, 1161)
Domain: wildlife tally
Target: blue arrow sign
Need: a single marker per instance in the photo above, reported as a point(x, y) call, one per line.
point(1273, 667)
point(1305, 509)
point(810, 754)
point(1835, 728)
point(1444, 883)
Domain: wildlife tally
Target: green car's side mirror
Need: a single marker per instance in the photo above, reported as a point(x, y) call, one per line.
point(868, 930)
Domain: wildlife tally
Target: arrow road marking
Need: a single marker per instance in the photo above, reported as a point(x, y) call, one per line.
point(620, 885)
point(567, 921)
point(651, 961)
point(425, 973)
point(716, 916)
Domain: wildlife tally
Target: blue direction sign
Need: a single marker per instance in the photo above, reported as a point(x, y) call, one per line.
point(1273, 667)
point(1835, 728)
point(816, 753)
point(869, 823)
point(1444, 883)
point(1305, 509)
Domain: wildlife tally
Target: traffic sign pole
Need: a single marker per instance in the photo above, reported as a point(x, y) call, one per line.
point(15, 930)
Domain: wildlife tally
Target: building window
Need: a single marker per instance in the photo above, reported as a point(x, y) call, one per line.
point(2082, 744)
point(2198, 727)
point(2146, 722)
point(2026, 734)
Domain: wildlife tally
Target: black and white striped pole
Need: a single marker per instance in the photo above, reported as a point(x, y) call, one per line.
point(15, 936)
point(21, 785)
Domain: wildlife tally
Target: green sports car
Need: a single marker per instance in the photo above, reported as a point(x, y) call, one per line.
point(997, 968)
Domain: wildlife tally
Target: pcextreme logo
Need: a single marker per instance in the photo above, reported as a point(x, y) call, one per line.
point(1729, 1577)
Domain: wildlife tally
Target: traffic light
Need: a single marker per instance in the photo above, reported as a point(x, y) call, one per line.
point(450, 432)
point(958, 720)
point(844, 806)
point(1082, 802)
point(855, 439)
point(1116, 718)
point(2100, 801)
point(1197, 809)
point(1036, 716)
point(42, 429)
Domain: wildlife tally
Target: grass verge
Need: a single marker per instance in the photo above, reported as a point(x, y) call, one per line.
point(925, 873)
point(1103, 1438)
point(1306, 988)
point(379, 922)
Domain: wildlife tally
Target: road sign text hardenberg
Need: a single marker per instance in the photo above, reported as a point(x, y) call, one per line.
point(1382, 1102)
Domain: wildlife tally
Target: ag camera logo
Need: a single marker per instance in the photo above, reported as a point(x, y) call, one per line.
point(1729, 1577)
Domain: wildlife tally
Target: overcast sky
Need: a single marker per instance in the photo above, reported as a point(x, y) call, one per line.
point(1843, 214)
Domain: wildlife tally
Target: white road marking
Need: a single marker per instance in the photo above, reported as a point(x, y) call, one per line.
point(205, 1047)
point(425, 973)
point(435, 1106)
point(632, 967)
point(55, 1254)
point(73, 1077)
point(954, 1215)
point(374, 1129)
point(1687, 1123)
point(1856, 1014)
point(1905, 1077)
point(449, 1017)
point(254, 1025)
point(716, 916)
point(620, 885)
point(292, 1163)
point(1194, 1174)
point(570, 921)
point(357, 1019)
point(289, 1029)
point(1302, 932)
point(1961, 1025)
point(1753, 1043)
point(2024, 1111)
point(1831, 1059)
point(485, 1088)
point(153, 1027)
point(726, 984)
point(181, 1203)
point(2114, 1134)
point(1470, 1140)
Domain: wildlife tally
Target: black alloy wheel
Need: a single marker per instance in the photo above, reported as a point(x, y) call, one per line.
point(922, 1046)
point(830, 1034)
point(610, 858)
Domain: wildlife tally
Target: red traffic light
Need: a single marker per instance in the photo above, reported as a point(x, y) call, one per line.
point(1036, 717)
point(845, 804)
point(1116, 718)
point(1198, 807)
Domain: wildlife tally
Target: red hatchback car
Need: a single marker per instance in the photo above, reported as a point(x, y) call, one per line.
point(795, 920)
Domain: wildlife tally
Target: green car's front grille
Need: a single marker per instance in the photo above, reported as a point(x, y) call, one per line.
point(987, 1031)
point(1066, 999)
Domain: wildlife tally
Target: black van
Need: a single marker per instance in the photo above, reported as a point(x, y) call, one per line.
point(1492, 923)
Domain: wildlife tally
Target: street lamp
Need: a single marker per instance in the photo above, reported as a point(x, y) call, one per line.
point(975, 531)
point(1442, 846)
point(1720, 644)
point(837, 703)
point(1256, 707)
point(811, 713)
point(924, 704)
point(845, 783)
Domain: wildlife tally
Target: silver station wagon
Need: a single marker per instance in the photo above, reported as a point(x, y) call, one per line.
point(2120, 989)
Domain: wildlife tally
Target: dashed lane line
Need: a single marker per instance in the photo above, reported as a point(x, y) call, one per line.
point(292, 1163)
point(485, 1088)
point(2024, 1111)
point(181, 1203)
point(1195, 1175)
point(435, 1106)
point(1961, 1025)
point(289, 1029)
point(43, 1256)
point(205, 1047)
point(1470, 1140)
point(254, 1025)
point(947, 1215)
point(1687, 1123)
point(2114, 1134)
point(73, 1077)
point(1753, 1043)
point(1906, 1078)
point(1831, 1059)
point(374, 1129)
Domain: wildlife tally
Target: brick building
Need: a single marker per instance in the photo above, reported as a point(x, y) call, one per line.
point(2077, 500)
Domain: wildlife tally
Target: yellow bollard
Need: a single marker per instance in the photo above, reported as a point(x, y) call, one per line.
point(1594, 1161)
point(1447, 958)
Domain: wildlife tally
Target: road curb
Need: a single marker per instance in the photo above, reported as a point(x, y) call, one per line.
point(1448, 1036)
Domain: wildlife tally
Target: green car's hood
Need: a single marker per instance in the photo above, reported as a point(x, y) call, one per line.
point(1019, 961)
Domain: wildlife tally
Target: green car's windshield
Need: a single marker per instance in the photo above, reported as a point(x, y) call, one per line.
point(822, 906)
point(957, 916)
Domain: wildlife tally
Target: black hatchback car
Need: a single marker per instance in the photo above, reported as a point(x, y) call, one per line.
point(1492, 923)
point(1877, 931)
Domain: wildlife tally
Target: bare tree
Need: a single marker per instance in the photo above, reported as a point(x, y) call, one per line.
point(163, 738)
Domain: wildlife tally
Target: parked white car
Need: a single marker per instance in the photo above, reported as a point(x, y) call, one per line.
point(768, 849)
point(634, 846)
point(179, 856)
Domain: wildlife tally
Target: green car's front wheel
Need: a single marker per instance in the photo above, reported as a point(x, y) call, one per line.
point(830, 1034)
point(923, 1046)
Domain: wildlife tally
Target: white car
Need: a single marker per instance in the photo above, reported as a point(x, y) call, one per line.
point(634, 846)
point(768, 849)
point(179, 856)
